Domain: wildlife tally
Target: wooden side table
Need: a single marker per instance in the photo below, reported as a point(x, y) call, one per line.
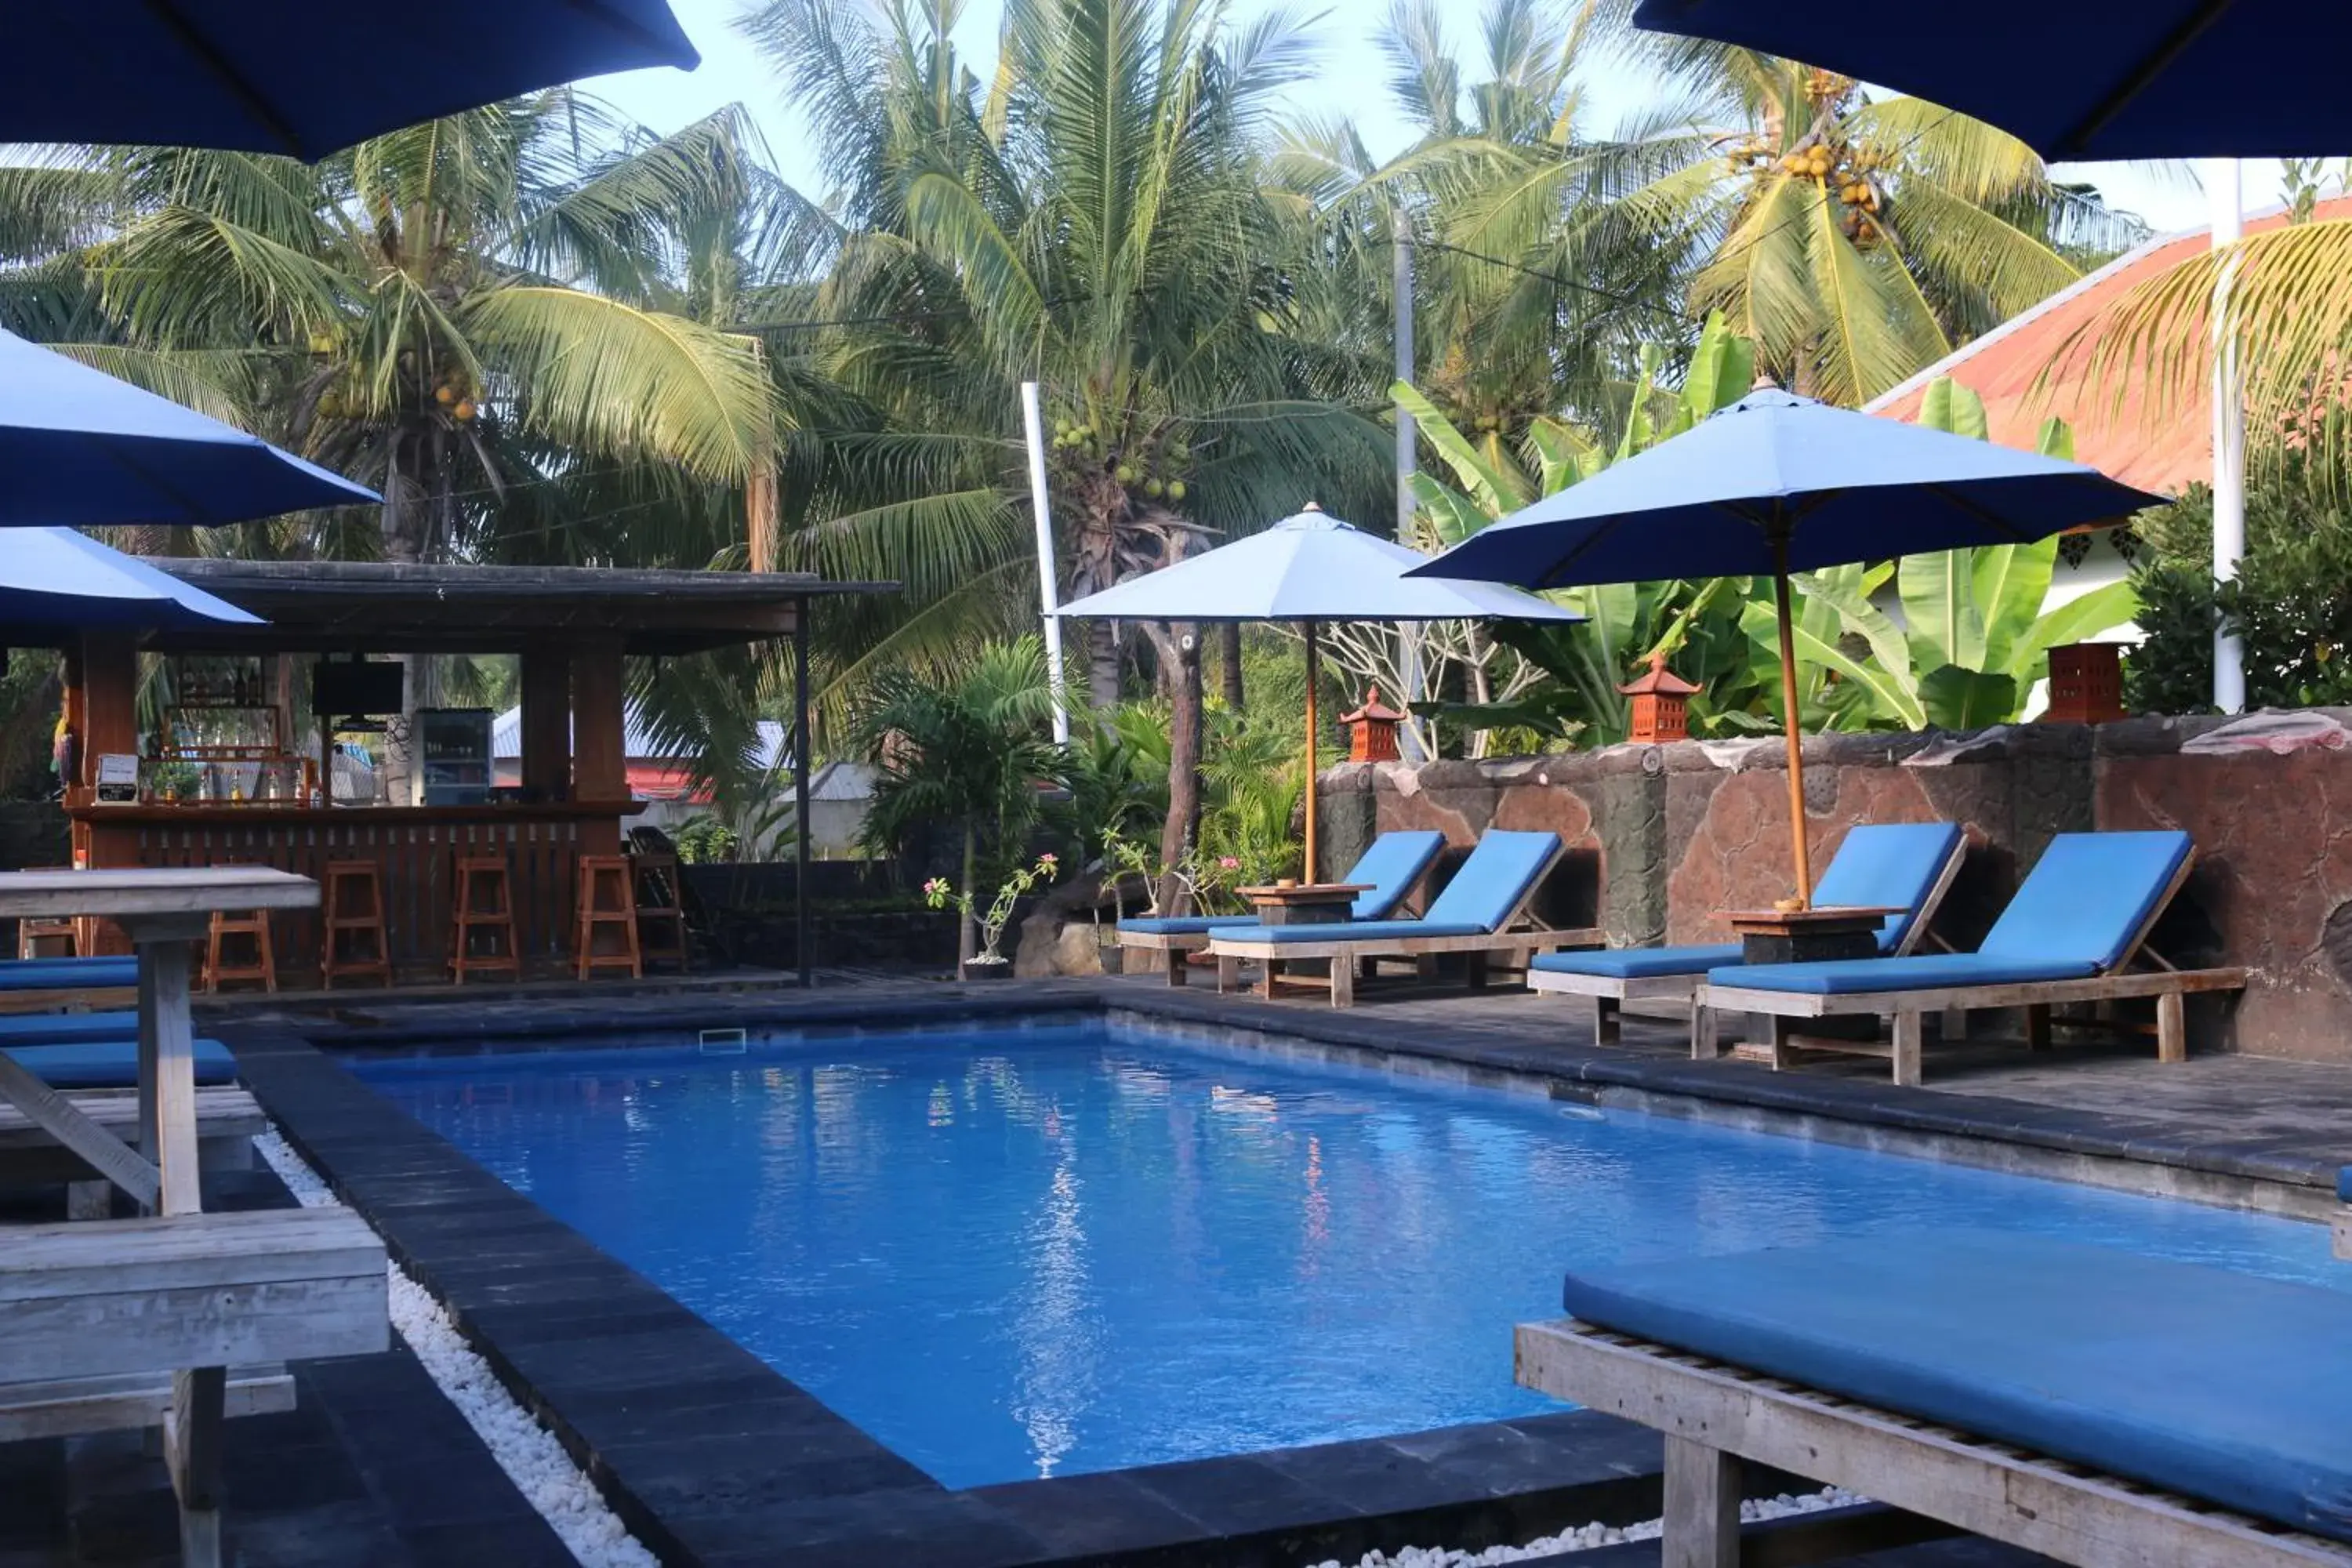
point(1303, 903)
point(1808, 936)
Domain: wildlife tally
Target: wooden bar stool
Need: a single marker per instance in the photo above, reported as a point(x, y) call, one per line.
point(607, 902)
point(353, 909)
point(250, 923)
point(470, 915)
point(33, 931)
point(660, 902)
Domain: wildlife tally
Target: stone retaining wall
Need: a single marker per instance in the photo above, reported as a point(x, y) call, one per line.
point(1662, 839)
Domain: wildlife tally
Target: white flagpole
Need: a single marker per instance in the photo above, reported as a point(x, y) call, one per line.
point(1033, 424)
point(2222, 187)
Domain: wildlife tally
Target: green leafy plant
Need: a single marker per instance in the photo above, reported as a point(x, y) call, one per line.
point(704, 840)
point(1974, 634)
point(940, 894)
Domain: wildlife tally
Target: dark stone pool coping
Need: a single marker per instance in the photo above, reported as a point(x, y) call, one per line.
point(711, 1456)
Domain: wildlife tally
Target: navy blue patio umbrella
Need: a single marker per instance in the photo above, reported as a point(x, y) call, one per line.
point(81, 448)
point(1774, 484)
point(296, 77)
point(2079, 79)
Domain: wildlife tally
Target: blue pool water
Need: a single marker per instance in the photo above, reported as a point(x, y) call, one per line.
point(1055, 1250)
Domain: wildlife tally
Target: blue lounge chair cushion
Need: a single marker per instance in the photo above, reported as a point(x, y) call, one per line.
point(2344, 1183)
point(1361, 931)
point(113, 1064)
point(1491, 885)
point(2227, 1387)
point(60, 1028)
point(65, 974)
point(1185, 925)
point(1393, 863)
point(2075, 916)
point(1889, 865)
point(2088, 896)
point(1913, 972)
point(1639, 963)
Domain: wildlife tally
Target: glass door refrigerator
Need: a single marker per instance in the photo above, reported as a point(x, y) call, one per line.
point(454, 747)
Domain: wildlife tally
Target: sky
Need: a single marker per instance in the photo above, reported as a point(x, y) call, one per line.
point(1350, 80)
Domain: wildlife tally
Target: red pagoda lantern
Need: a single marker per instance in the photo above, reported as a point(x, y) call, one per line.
point(1661, 704)
point(1372, 730)
point(2086, 684)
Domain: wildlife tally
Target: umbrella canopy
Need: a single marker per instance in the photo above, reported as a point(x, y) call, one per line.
point(1310, 567)
point(297, 78)
point(1774, 484)
point(80, 448)
point(2087, 79)
point(57, 579)
point(1776, 481)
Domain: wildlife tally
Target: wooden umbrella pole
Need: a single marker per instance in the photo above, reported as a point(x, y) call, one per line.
point(1308, 872)
point(1796, 735)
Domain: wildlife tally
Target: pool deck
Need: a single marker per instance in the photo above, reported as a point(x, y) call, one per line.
point(713, 1458)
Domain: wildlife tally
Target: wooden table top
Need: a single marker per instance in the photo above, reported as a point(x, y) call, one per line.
point(1306, 893)
point(1792, 922)
point(173, 891)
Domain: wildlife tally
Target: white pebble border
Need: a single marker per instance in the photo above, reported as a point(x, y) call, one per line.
point(1587, 1537)
point(545, 1475)
point(525, 1450)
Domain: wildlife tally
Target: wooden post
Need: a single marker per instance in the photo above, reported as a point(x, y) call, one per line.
point(802, 763)
point(110, 722)
point(1804, 868)
point(1307, 873)
point(1701, 1527)
point(546, 723)
point(600, 767)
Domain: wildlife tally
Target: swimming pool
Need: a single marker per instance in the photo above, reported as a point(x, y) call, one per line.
point(1060, 1249)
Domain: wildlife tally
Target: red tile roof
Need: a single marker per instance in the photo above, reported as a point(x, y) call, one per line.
point(2003, 367)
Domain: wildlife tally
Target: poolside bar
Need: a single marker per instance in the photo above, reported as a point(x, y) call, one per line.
point(232, 769)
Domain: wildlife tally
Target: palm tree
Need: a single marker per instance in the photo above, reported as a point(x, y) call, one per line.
point(456, 310)
point(967, 756)
point(1854, 239)
point(1092, 219)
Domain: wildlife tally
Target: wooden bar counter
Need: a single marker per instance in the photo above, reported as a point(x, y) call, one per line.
point(413, 849)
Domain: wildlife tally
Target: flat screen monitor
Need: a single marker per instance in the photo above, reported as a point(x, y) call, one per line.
point(341, 689)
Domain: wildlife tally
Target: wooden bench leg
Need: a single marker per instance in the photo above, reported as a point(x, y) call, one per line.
point(1605, 1021)
point(1702, 1515)
point(1266, 978)
point(1176, 966)
point(1343, 982)
point(1229, 974)
point(1909, 1028)
point(1783, 1056)
point(192, 1448)
point(1706, 1041)
point(2172, 1027)
point(2037, 1026)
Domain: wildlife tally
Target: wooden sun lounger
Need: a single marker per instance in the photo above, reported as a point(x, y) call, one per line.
point(1787, 1011)
point(1485, 949)
point(1518, 936)
point(1714, 1416)
point(1676, 996)
point(1175, 949)
point(70, 999)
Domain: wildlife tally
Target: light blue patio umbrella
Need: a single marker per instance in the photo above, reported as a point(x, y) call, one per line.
point(78, 447)
point(1774, 484)
point(55, 580)
point(1308, 568)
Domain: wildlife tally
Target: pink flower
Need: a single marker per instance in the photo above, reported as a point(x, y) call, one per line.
point(1228, 863)
point(1047, 860)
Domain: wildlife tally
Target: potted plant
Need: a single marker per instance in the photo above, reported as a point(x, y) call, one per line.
point(989, 964)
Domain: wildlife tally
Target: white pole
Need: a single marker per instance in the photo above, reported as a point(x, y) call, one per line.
point(1033, 424)
point(2222, 187)
point(1408, 452)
